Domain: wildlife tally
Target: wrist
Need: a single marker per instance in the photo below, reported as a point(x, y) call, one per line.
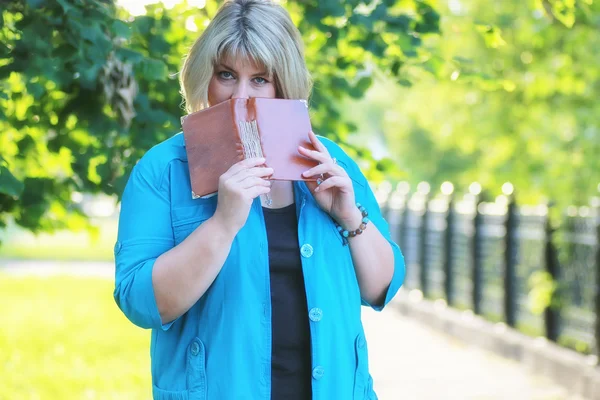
point(353, 221)
point(361, 221)
point(224, 230)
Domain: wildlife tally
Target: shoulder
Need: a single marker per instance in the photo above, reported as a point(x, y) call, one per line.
point(156, 161)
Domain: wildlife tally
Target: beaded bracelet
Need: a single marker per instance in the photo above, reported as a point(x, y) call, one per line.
point(363, 225)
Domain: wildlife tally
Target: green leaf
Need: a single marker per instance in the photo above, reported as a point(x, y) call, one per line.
point(143, 24)
point(429, 21)
point(359, 89)
point(129, 55)
point(35, 89)
point(492, 35)
point(9, 184)
point(65, 6)
point(379, 12)
point(93, 33)
point(158, 46)
point(332, 8)
point(121, 29)
point(88, 74)
point(434, 65)
point(399, 23)
point(396, 67)
point(361, 20)
point(35, 3)
point(153, 69)
point(386, 164)
point(364, 83)
point(26, 146)
point(343, 63)
point(462, 60)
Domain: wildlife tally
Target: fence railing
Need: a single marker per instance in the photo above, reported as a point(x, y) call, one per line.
point(504, 261)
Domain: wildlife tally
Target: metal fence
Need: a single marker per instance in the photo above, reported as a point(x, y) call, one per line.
point(504, 261)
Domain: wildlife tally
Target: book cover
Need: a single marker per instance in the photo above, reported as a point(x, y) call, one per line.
point(220, 136)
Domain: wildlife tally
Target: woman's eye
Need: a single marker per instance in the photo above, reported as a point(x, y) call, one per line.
point(225, 75)
point(260, 81)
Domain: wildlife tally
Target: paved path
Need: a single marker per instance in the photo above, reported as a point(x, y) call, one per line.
point(48, 268)
point(408, 361)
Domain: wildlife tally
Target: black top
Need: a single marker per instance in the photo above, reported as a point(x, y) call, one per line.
point(291, 360)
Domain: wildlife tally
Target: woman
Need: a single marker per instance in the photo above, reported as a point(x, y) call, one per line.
point(254, 293)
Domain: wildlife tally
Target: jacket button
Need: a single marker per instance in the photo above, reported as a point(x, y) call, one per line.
point(306, 250)
point(195, 348)
point(361, 342)
point(315, 314)
point(318, 372)
point(117, 248)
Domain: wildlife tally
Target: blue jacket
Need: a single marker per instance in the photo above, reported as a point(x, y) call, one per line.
point(221, 348)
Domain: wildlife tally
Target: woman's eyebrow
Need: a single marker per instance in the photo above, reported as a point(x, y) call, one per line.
point(260, 72)
point(223, 65)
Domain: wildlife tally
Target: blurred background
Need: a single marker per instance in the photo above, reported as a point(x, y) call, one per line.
point(475, 121)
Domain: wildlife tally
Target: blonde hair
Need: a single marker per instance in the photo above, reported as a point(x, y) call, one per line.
point(260, 31)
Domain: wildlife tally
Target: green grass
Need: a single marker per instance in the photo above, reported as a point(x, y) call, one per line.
point(64, 338)
point(16, 243)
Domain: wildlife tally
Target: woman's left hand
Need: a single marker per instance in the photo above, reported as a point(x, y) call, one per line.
point(333, 190)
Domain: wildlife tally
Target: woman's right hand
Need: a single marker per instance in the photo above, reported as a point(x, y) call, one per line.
point(238, 187)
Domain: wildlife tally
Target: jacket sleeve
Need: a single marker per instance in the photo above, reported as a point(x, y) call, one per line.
point(145, 232)
point(365, 196)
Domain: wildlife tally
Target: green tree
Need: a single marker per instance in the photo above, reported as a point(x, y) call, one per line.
point(86, 89)
point(519, 105)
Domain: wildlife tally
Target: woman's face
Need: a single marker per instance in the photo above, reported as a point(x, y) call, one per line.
point(239, 78)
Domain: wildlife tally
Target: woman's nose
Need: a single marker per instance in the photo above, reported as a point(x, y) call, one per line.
point(241, 91)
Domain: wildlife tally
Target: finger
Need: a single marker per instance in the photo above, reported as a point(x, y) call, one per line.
point(252, 162)
point(327, 168)
point(312, 185)
point(341, 182)
point(254, 181)
point(261, 171)
point(244, 164)
point(256, 171)
point(317, 143)
point(315, 155)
